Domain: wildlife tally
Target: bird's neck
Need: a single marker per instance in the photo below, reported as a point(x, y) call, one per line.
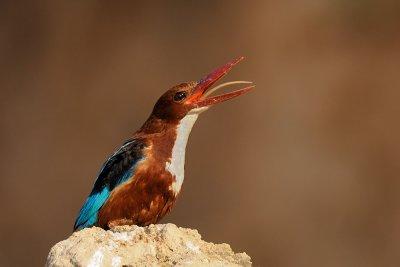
point(168, 145)
point(176, 164)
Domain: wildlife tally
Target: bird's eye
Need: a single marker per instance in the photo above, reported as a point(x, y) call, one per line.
point(179, 96)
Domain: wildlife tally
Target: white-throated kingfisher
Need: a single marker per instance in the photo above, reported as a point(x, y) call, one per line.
point(140, 182)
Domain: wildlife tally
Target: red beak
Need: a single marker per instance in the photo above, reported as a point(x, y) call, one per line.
point(198, 96)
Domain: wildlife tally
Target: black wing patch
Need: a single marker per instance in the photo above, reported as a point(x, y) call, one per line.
point(116, 170)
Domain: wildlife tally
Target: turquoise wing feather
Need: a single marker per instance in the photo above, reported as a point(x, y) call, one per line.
point(115, 171)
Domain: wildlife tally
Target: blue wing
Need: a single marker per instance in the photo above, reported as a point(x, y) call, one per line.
point(116, 170)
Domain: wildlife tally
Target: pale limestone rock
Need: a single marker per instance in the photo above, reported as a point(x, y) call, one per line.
point(154, 245)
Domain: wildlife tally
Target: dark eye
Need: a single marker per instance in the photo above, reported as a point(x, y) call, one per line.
point(179, 96)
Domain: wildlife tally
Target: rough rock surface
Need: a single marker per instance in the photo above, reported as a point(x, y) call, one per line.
point(154, 245)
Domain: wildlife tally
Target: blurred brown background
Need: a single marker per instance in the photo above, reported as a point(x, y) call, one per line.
point(304, 171)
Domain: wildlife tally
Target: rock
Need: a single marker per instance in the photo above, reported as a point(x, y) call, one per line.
point(154, 245)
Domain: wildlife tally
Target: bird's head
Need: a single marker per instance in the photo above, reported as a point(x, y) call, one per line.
point(194, 97)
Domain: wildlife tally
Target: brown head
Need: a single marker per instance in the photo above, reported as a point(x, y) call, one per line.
point(192, 97)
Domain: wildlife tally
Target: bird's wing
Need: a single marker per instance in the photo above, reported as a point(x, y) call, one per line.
point(116, 170)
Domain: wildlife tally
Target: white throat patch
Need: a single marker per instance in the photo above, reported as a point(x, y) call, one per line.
point(176, 165)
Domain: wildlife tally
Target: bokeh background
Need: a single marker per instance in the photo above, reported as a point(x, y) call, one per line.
point(304, 171)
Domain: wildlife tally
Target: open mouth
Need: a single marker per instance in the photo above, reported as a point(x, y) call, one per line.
point(201, 93)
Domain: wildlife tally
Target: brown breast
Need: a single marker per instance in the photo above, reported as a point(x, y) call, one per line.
point(147, 197)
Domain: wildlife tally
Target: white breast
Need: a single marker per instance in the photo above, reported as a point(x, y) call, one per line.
point(176, 165)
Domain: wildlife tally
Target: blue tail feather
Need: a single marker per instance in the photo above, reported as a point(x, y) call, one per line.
point(88, 214)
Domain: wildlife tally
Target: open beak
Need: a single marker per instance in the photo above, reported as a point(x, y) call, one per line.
point(199, 96)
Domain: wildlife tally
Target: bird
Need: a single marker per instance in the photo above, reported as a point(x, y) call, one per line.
point(140, 182)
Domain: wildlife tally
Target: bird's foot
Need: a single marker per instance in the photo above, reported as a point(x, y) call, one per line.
point(119, 222)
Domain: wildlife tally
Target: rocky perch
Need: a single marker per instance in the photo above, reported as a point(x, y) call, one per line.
point(154, 245)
